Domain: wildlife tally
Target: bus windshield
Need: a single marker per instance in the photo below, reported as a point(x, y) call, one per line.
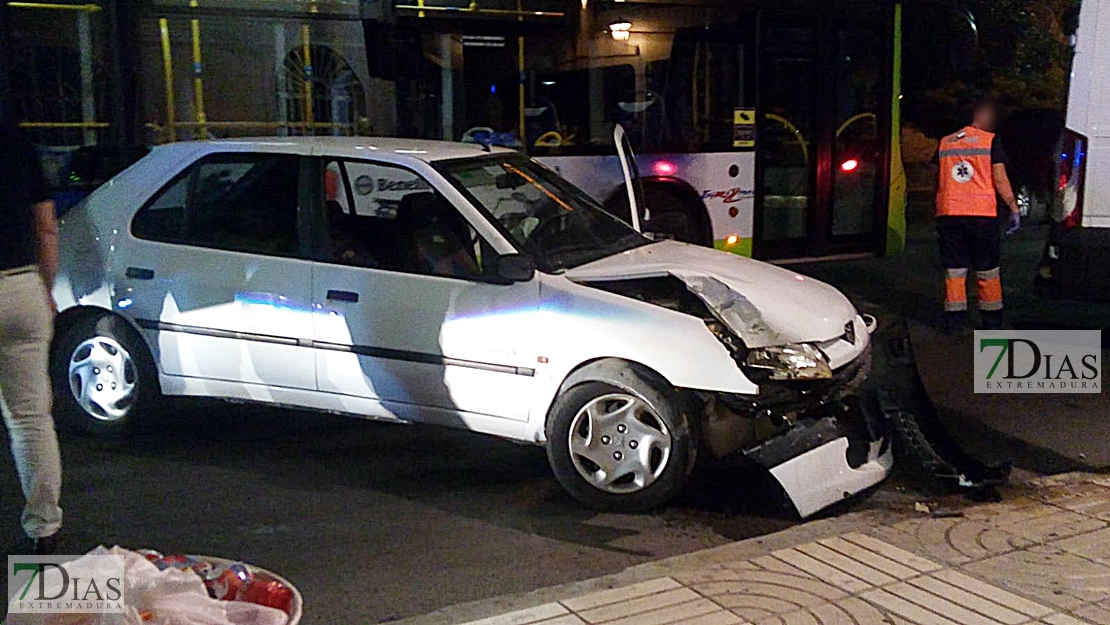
point(544, 215)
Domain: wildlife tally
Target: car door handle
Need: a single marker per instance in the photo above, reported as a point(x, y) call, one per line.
point(343, 296)
point(139, 273)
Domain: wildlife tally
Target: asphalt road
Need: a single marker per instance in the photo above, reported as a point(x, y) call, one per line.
point(373, 522)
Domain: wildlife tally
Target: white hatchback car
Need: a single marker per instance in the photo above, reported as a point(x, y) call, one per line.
point(459, 285)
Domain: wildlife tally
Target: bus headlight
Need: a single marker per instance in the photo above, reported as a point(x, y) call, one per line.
point(790, 362)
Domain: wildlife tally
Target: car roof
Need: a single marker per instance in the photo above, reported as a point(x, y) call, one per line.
point(379, 148)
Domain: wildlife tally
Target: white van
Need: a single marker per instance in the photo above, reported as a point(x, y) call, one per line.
point(1076, 263)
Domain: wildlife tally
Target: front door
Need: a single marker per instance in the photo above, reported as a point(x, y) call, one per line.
point(216, 273)
point(407, 312)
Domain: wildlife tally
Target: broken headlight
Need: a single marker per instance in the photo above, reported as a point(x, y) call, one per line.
point(790, 362)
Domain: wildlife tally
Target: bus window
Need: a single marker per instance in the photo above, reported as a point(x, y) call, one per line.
point(787, 150)
point(858, 156)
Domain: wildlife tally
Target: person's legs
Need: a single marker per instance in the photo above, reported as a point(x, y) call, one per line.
point(986, 259)
point(25, 332)
point(954, 257)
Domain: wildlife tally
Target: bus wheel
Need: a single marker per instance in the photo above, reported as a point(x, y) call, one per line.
point(673, 216)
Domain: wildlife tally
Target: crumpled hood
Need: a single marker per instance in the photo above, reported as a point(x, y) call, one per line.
point(764, 304)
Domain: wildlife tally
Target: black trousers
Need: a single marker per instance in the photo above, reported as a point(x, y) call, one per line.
point(970, 242)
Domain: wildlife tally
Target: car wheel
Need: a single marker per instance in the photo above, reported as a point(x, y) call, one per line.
point(620, 448)
point(104, 376)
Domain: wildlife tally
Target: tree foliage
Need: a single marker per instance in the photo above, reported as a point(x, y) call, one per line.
point(1018, 50)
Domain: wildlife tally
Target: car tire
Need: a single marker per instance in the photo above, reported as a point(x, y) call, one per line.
point(624, 447)
point(105, 381)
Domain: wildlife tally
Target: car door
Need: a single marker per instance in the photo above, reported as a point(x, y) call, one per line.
point(216, 273)
point(633, 185)
point(407, 310)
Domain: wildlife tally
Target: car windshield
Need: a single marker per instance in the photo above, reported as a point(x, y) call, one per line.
point(544, 215)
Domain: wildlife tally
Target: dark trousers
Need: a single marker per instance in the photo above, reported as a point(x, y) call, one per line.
point(973, 243)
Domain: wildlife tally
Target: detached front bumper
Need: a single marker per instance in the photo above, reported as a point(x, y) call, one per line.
point(819, 463)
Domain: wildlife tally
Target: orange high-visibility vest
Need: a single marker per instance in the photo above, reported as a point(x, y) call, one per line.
point(966, 176)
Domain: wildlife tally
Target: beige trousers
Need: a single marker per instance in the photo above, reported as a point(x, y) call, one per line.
point(26, 327)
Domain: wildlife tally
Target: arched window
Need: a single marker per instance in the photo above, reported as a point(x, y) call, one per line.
point(338, 97)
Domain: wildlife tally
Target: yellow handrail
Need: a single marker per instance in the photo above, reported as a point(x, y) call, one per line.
point(854, 119)
point(64, 125)
point(793, 129)
point(50, 6)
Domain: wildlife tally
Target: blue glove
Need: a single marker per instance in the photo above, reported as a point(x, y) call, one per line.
point(1015, 222)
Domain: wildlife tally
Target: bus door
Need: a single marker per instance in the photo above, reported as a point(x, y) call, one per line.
point(824, 139)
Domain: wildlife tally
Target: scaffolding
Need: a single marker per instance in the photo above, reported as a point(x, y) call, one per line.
point(316, 90)
point(89, 125)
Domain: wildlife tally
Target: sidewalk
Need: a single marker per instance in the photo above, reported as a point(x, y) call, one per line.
point(1042, 557)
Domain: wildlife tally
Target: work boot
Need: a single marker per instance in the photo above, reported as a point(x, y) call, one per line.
point(992, 319)
point(954, 322)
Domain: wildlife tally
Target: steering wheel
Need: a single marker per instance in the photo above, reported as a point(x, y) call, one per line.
point(468, 136)
point(550, 139)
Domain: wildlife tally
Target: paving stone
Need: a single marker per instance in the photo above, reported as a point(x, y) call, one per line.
point(637, 606)
point(668, 615)
point(939, 605)
point(756, 608)
point(1010, 512)
point(1063, 619)
point(992, 593)
point(1047, 574)
point(537, 614)
point(823, 571)
point(715, 618)
point(1060, 524)
point(771, 563)
point(983, 606)
point(741, 581)
point(906, 609)
point(846, 564)
point(624, 593)
point(898, 555)
point(927, 536)
point(720, 591)
point(870, 558)
point(862, 613)
point(1077, 497)
point(1093, 546)
point(1095, 614)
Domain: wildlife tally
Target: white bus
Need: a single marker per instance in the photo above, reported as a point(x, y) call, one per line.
point(768, 128)
point(1076, 262)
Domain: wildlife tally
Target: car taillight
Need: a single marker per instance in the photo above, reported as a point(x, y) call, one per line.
point(1072, 169)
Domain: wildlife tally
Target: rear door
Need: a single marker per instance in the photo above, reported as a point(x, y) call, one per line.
point(216, 273)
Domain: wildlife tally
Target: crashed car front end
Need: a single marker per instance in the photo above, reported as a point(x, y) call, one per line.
point(800, 342)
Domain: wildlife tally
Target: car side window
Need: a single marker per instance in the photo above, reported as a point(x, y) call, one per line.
point(234, 202)
point(397, 222)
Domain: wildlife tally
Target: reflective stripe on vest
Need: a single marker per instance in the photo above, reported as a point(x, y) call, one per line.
point(966, 175)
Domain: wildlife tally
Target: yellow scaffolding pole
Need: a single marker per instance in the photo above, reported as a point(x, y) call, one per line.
point(198, 76)
point(50, 6)
point(306, 45)
point(167, 66)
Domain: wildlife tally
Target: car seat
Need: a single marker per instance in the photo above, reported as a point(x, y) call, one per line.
point(435, 238)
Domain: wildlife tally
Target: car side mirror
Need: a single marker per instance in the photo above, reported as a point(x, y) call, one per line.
point(516, 267)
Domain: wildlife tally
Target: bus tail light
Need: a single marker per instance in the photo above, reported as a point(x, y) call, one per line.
point(849, 165)
point(1072, 179)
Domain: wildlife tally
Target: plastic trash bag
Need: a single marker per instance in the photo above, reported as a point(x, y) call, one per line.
point(153, 597)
